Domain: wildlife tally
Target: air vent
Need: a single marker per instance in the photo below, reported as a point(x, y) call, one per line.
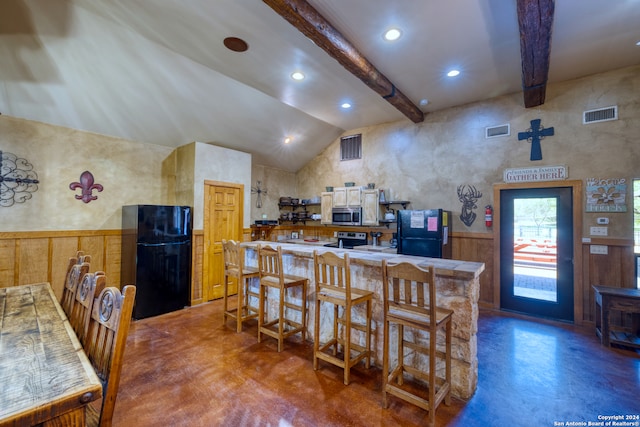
point(351, 147)
point(495, 131)
point(600, 115)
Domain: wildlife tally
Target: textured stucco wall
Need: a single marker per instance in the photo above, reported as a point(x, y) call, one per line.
point(278, 183)
point(131, 173)
point(426, 162)
point(220, 164)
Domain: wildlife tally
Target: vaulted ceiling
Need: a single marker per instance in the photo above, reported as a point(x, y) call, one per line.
point(157, 71)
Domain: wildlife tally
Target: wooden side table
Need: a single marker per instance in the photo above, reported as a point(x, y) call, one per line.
point(619, 299)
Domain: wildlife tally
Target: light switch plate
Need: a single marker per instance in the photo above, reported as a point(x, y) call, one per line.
point(598, 231)
point(599, 249)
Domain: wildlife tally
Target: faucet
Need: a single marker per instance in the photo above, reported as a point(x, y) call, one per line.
point(375, 235)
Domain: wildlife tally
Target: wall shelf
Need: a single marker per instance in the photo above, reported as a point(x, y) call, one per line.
point(293, 208)
point(404, 203)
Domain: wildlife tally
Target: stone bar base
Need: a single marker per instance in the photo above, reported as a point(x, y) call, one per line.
point(457, 287)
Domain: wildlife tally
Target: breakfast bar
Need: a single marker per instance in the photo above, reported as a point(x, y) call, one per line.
point(457, 285)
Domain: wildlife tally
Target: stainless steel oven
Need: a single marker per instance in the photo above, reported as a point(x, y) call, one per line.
point(346, 216)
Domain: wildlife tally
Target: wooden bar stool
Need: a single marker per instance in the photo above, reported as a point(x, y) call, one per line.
point(272, 277)
point(410, 300)
point(333, 286)
point(234, 269)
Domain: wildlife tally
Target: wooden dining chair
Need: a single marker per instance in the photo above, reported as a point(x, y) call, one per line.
point(90, 285)
point(235, 270)
point(409, 294)
point(333, 287)
point(272, 277)
point(75, 272)
point(105, 344)
point(82, 257)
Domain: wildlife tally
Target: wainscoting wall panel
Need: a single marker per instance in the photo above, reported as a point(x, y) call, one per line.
point(615, 269)
point(477, 247)
point(30, 257)
point(196, 270)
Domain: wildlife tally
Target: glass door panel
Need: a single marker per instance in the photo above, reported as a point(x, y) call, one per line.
point(534, 248)
point(536, 252)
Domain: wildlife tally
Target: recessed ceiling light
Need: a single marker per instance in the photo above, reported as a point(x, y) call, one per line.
point(297, 75)
point(424, 102)
point(638, 43)
point(392, 34)
point(288, 140)
point(453, 73)
point(346, 105)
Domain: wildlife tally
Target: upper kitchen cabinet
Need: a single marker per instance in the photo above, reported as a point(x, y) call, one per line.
point(326, 204)
point(347, 197)
point(370, 207)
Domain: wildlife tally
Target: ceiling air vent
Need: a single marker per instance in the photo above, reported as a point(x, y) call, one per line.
point(495, 131)
point(600, 115)
point(351, 147)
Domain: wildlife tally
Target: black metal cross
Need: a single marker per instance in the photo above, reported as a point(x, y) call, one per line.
point(534, 134)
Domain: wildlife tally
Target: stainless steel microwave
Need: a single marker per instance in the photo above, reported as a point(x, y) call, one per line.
point(346, 216)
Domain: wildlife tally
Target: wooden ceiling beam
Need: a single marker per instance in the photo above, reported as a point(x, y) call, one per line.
point(308, 20)
point(535, 18)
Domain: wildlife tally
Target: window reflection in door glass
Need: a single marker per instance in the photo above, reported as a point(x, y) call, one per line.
point(534, 248)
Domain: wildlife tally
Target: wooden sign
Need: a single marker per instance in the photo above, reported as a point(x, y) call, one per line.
point(542, 173)
point(606, 195)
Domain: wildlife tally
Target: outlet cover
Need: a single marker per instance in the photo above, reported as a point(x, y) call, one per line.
point(599, 249)
point(598, 231)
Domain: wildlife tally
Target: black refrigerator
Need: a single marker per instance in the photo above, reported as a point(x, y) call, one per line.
point(424, 233)
point(156, 257)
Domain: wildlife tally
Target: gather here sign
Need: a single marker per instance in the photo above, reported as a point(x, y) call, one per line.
point(541, 173)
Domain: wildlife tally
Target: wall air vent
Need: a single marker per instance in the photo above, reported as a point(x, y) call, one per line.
point(600, 115)
point(495, 131)
point(351, 147)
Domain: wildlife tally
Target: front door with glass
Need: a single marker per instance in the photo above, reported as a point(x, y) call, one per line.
point(536, 252)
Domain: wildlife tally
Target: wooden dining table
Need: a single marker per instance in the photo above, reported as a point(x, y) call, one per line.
point(45, 376)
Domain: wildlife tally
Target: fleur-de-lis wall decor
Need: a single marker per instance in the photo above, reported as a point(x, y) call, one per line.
point(87, 185)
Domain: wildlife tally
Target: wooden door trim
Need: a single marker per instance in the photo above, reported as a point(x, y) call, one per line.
point(576, 193)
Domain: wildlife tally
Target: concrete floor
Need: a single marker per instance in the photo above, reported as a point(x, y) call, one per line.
point(187, 369)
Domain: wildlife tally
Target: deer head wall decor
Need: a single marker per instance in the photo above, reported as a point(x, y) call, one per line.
point(468, 199)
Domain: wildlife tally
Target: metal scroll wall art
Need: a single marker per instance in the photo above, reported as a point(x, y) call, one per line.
point(87, 184)
point(259, 191)
point(17, 179)
point(468, 195)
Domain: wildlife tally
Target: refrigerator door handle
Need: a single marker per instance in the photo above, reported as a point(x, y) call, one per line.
point(182, 242)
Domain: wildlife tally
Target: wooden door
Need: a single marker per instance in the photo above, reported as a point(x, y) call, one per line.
point(223, 213)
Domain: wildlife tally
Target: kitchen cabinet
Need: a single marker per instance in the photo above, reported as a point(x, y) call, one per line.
point(347, 197)
point(326, 205)
point(370, 207)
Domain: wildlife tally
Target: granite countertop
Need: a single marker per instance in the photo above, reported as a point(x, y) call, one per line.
point(465, 270)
